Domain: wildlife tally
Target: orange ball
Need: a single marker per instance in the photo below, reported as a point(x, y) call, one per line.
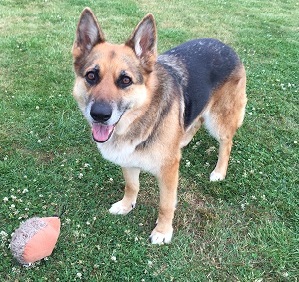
point(35, 239)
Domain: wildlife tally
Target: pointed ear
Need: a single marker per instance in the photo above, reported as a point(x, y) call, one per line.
point(88, 34)
point(143, 41)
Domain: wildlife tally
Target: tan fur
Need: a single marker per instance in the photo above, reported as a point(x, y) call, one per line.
point(224, 114)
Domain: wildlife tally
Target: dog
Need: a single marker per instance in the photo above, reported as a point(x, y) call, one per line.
point(144, 108)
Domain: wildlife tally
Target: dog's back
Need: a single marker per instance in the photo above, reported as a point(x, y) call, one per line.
point(200, 66)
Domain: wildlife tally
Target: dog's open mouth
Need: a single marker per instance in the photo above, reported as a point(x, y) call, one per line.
point(101, 133)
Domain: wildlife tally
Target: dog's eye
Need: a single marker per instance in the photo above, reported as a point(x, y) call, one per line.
point(124, 81)
point(91, 77)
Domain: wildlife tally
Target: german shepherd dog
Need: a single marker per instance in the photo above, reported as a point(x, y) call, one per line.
point(143, 108)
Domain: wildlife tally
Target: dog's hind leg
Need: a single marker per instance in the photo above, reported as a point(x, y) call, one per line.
point(224, 115)
point(128, 202)
point(219, 172)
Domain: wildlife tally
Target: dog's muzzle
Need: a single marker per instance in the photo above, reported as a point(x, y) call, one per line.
point(101, 112)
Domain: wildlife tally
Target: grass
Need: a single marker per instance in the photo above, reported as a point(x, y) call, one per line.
point(242, 229)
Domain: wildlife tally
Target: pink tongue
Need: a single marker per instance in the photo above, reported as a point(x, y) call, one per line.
point(100, 132)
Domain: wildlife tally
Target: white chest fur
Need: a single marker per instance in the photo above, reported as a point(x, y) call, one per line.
point(126, 155)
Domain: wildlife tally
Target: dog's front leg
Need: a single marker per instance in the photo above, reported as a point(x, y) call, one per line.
point(128, 202)
point(168, 182)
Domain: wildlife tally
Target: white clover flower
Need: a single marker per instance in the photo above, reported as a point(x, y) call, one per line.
point(13, 197)
point(113, 258)
point(5, 199)
point(79, 275)
point(211, 149)
point(15, 270)
point(3, 234)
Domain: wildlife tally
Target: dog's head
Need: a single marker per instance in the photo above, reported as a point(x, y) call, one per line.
point(112, 80)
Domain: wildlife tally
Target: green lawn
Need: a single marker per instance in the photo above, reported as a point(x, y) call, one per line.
point(245, 228)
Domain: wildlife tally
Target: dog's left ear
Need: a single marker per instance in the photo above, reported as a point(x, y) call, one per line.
point(143, 41)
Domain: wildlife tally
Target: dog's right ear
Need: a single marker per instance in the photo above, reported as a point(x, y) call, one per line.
point(88, 34)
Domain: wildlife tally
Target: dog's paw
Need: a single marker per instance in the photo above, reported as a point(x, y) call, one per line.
point(216, 176)
point(161, 238)
point(121, 208)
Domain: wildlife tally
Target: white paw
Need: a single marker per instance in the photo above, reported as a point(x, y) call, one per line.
point(161, 238)
point(216, 176)
point(120, 208)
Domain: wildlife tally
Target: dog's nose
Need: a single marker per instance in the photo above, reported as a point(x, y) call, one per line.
point(101, 111)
